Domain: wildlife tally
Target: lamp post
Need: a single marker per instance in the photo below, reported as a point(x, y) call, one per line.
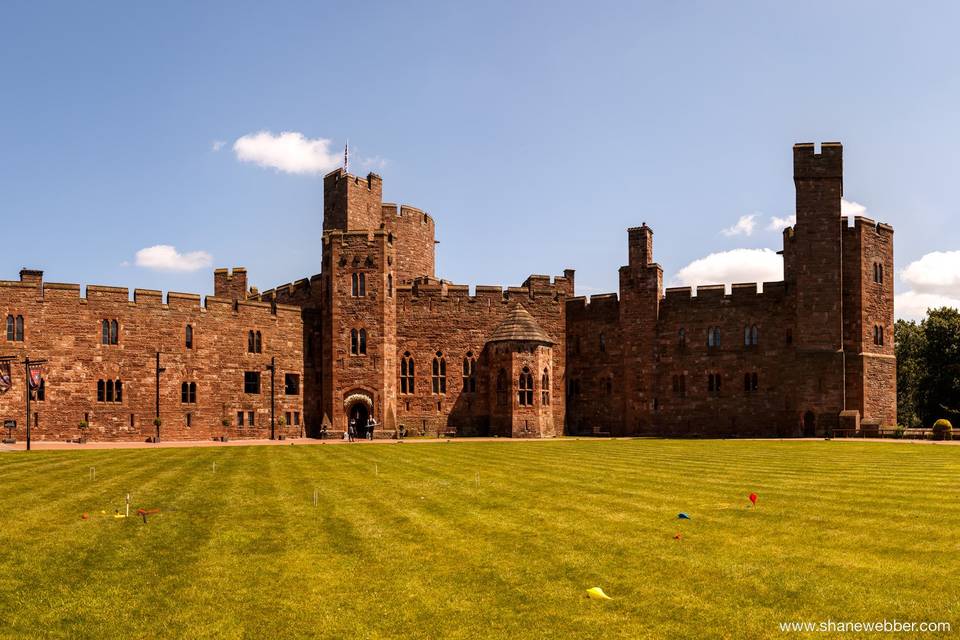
point(272, 368)
point(157, 420)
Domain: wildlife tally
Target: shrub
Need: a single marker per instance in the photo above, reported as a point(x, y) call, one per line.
point(157, 422)
point(225, 422)
point(899, 432)
point(942, 429)
point(281, 421)
point(83, 425)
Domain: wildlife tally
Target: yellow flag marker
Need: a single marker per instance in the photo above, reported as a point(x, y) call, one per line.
point(596, 593)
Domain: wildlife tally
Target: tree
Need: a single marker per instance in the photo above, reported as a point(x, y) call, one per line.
point(940, 393)
point(909, 343)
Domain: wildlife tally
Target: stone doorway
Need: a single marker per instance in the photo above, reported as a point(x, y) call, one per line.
point(809, 424)
point(359, 413)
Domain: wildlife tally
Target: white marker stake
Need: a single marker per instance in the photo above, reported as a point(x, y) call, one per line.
point(315, 497)
point(478, 480)
point(214, 467)
point(93, 474)
point(128, 505)
point(376, 468)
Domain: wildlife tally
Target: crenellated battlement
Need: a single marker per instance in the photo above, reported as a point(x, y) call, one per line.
point(595, 307)
point(808, 164)
point(394, 213)
point(716, 293)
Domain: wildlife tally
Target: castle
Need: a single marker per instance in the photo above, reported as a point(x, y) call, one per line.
point(377, 334)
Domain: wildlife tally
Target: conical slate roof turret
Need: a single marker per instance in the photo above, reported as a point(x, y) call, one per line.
point(520, 326)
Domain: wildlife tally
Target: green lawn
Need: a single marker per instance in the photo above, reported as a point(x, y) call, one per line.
point(841, 531)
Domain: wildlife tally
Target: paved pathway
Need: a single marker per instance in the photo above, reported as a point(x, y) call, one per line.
point(41, 445)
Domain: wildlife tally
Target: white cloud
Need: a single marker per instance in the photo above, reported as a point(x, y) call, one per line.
point(934, 281)
point(728, 267)
point(911, 305)
point(850, 208)
point(779, 224)
point(289, 152)
point(216, 145)
point(744, 226)
point(373, 163)
point(163, 257)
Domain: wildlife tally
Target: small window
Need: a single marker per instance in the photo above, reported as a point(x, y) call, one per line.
point(390, 284)
point(188, 337)
point(250, 418)
point(291, 384)
point(18, 329)
point(188, 393)
point(288, 418)
point(750, 382)
point(239, 418)
point(296, 418)
point(525, 392)
point(11, 334)
point(363, 342)
point(878, 273)
point(713, 337)
point(603, 343)
point(878, 335)
point(101, 391)
point(358, 285)
point(545, 388)
point(258, 342)
point(751, 336)
point(109, 332)
point(118, 391)
point(114, 332)
point(251, 382)
point(251, 342)
point(713, 383)
point(189, 419)
point(682, 339)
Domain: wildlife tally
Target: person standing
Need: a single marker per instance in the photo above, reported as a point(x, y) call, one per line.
point(371, 423)
point(351, 429)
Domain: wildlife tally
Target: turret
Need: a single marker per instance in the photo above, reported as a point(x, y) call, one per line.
point(351, 203)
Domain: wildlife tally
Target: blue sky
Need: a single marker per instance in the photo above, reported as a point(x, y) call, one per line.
point(534, 134)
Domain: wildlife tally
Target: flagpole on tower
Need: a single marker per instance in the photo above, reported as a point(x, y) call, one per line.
point(346, 156)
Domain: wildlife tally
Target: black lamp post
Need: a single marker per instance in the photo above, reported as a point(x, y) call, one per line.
point(26, 367)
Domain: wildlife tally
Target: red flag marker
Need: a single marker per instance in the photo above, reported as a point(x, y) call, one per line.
point(753, 499)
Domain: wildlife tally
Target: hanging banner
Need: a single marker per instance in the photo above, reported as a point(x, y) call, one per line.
point(36, 374)
point(5, 380)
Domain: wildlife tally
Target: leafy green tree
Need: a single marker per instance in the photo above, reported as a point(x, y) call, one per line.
point(940, 394)
point(909, 343)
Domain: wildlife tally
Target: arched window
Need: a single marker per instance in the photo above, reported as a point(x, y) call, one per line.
point(118, 387)
point(10, 331)
point(439, 374)
point(878, 335)
point(390, 284)
point(469, 373)
point(188, 337)
point(101, 391)
point(878, 273)
point(603, 343)
point(525, 393)
point(750, 382)
point(251, 342)
point(406, 373)
point(109, 390)
point(363, 341)
point(258, 342)
point(358, 285)
point(713, 383)
point(193, 392)
point(751, 336)
point(19, 329)
point(545, 388)
point(185, 392)
point(713, 337)
point(354, 342)
point(501, 388)
point(682, 338)
point(105, 332)
point(114, 332)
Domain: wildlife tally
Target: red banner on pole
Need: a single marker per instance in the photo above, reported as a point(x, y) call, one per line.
point(36, 375)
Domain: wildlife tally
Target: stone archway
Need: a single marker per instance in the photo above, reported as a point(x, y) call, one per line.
point(359, 409)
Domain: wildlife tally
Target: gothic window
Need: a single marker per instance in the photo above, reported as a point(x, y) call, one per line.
point(354, 342)
point(878, 335)
point(439, 374)
point(603, 343)
point(501, 388)
point(525, 393)
point(545, 388)
point(358, 285)
point(406, 374)
point(713, 383)
point(713, 337)
point(258, 342)
point(390, 284)
point(101, 391)
point(251, 418)
point(188, 337)
point(751, 336)
point(750, 382)
point(109, 391)
point(682, 338)
point(469, 373)
point(11, 335)
point(251, 346)
point(239, 418)
point(109, 332)
point(15, 328)
point(878, 273)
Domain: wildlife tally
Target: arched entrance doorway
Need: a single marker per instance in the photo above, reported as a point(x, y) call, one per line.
point(809, 424)
point(359, 408)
